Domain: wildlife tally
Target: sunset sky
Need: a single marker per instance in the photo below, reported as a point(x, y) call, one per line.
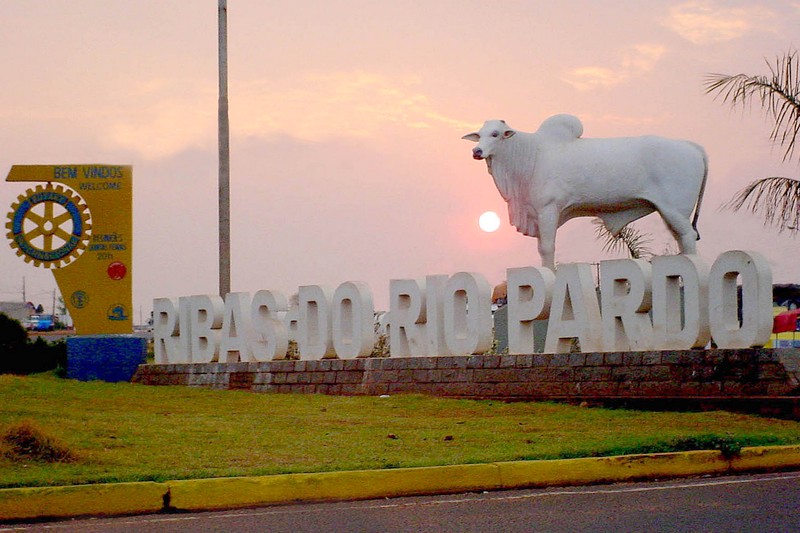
point(346, 120)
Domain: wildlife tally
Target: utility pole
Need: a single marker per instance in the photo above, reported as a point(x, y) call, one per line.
point(224, 157)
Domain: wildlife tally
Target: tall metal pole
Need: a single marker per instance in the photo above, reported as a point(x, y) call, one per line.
point(224, 157)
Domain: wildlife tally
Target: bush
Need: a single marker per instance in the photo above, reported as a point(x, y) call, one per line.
point(13, 336)
point(728, 445)
point(18, 355)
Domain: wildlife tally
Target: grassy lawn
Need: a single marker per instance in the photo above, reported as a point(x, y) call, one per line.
point(125, 432)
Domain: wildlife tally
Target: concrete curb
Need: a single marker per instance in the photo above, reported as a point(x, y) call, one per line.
point(354, 485)
point(81, 500)
point(229, 493)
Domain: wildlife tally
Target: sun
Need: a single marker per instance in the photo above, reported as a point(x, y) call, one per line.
point(489, 221)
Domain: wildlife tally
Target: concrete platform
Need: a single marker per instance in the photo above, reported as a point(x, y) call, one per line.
point(690, 379)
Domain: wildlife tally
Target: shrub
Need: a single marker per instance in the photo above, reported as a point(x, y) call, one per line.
point(728, 445)
point(18, 355)
point(13, 336)
point(292, 352)
point(381, 348)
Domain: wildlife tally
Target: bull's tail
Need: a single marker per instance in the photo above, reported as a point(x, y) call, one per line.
point(702, 190)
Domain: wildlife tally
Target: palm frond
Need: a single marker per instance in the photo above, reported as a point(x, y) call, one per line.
point(779, 94)
point(629, 240)
point(776, 199)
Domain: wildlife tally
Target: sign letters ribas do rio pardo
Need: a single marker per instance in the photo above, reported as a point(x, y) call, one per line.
point(674, 303)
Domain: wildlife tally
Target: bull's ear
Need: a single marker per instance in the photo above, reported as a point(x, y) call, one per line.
point(508, 133)
point(474, 137)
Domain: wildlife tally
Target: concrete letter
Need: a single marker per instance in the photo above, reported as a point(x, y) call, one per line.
point(434, 305)
point(468, 314)
point(205, 319)
point(183, 343)
point(529, 297)
point(237, 329)
point(575, 312)
point(270, 340)
point(290, 322)
point(353, 320)
point(165, 331)
point(625, 299)
point(406, 318)
point(314, 323)
point(680, 302)
point(756, 323)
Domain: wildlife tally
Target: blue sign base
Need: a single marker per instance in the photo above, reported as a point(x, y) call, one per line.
point(105, 357)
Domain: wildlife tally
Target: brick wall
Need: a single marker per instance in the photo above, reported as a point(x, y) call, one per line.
point(707, 374)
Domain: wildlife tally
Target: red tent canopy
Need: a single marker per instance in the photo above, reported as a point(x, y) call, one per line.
point(785, 321)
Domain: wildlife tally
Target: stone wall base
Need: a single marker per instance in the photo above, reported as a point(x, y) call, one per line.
point(699, 378)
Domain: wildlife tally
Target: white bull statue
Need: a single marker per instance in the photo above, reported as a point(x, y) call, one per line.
point(553, 175)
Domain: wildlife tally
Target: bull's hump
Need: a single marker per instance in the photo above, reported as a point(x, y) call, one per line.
point(561, 128)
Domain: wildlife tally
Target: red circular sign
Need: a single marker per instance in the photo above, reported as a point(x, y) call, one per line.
point(117, 270)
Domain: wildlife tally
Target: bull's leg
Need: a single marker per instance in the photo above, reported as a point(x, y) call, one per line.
point(681, 229)
point(548, 223)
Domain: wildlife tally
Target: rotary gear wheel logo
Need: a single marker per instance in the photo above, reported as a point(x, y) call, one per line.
point(49, 226)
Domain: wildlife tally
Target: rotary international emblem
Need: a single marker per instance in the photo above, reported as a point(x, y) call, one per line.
point(49, 226)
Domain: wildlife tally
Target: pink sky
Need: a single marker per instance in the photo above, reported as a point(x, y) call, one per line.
point(346, 124)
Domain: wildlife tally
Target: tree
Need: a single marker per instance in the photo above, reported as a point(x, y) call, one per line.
point(776, 199)
point(629, 239)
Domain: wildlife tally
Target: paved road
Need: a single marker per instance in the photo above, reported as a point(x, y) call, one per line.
point(769, 502)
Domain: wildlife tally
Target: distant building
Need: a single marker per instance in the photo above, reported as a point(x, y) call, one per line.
point(18, 310)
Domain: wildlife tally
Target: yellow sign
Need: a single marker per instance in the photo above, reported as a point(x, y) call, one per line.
point(80, 224)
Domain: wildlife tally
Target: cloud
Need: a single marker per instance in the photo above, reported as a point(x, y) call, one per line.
point(637, 60)
point(166, 116)
point(174, 118)
point(703, 22)
point(154, 118)
point(321, 106)
point(642, 58)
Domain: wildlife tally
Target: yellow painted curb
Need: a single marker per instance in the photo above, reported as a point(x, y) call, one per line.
point(80, 500)
point(766, 458)
point(580, 471)
point(228, 493)
point(355, 485)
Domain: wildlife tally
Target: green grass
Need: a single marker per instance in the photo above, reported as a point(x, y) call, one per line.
point(124, 432)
